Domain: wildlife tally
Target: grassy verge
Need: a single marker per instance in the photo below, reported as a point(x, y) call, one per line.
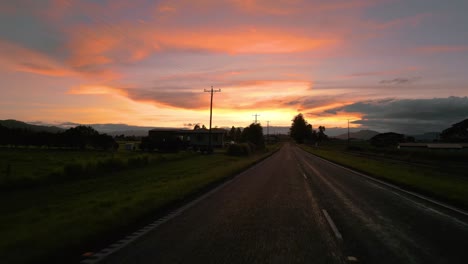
point(56, 220)
point(443, 186)
point(28, 167)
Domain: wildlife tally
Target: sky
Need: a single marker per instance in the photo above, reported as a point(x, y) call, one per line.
point(386, 65)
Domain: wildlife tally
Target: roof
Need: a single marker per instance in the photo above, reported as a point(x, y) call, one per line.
point(204, 131)
point(435, 145)
point(421, 145)
point(165, 129)
point(445, 146)
point(187, 131)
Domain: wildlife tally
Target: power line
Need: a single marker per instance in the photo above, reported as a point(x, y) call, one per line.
point(256, 115)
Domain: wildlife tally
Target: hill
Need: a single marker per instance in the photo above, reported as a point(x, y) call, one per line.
point(362, 135)
point(429, 137)
point(457, 133)
point(15, 124)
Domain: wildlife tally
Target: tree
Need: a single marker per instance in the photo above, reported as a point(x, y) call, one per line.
point(196, 127)
point(300, 129)
point(232, 133)
point(238, 134)
point(389, 139)
point(254, 135)
point(79, 136)
point(321, 134)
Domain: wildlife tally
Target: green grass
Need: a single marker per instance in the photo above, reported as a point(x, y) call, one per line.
point(449, 187)
point(31, 166)
point(38, 223)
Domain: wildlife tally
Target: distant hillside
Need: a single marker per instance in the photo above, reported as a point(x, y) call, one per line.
point(362, 135)
point(430, 136)
point(10, 123)
point(457, 133)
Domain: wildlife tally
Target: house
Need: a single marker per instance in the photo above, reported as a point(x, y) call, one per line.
point(174, 139)
point(199, 139)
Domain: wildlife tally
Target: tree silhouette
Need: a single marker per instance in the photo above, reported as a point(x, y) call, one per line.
point(300, 129)
point(254, 135)
point(321, 134)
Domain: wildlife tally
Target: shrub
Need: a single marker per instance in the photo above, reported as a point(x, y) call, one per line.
point(354, 148)
point(234, 150)
point(73, 170)
point(138, 162)
point(239, 149)
point(247, 149)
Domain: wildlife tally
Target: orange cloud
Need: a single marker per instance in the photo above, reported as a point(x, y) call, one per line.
point(18, 58)
point(105, 46)
point(97, 90)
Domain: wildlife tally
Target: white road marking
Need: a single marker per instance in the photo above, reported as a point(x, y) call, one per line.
point(441, 204)
point(99, 256)
point(332, 225)
point(305, 176)
point(352, 259)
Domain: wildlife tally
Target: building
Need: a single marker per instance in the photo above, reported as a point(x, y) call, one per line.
point(176, 139)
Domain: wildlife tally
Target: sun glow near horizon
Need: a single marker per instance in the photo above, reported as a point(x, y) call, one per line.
point(147, 63)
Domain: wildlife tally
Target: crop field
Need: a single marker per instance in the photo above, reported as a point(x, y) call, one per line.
point(62, 219)
point(449, 183)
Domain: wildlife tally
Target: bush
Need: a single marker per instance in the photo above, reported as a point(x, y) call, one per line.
point(239, 149)
point(138, 162)
point(110, 165)
point(73, 170)
point(354, 148)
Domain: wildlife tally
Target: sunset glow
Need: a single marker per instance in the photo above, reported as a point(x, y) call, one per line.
point(147, 63)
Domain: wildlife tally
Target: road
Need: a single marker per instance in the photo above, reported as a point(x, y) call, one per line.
point(297, 208)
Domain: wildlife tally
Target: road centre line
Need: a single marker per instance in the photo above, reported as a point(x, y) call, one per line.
point(332, 225)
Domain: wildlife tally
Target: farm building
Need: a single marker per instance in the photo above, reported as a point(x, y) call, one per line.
point(198, 139)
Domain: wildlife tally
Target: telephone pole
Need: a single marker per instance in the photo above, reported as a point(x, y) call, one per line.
point(268, 131)
point(348, 131)
point(256, 115)
point(210, 149)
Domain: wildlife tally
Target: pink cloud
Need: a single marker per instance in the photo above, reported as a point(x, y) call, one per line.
point(18, 58)
point(442, 48)
point(290, 7)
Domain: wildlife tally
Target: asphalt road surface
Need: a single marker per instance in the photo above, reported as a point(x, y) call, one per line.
point(297, 208)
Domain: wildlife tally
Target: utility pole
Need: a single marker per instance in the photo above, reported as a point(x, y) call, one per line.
point(210, 148)
point(348, 131)
point(268, 131)
point(256, 115)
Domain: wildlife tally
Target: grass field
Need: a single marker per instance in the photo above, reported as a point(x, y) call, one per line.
point(447, 185)
point(61, 219)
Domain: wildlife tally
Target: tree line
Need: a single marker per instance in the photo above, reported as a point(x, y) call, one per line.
point(79, 137)
point(302, 132)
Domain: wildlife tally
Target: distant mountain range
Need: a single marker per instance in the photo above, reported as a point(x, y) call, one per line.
point(361, 135)
point(431, 136)
point(128, 130)
point(10, 123)
point(368, 134)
